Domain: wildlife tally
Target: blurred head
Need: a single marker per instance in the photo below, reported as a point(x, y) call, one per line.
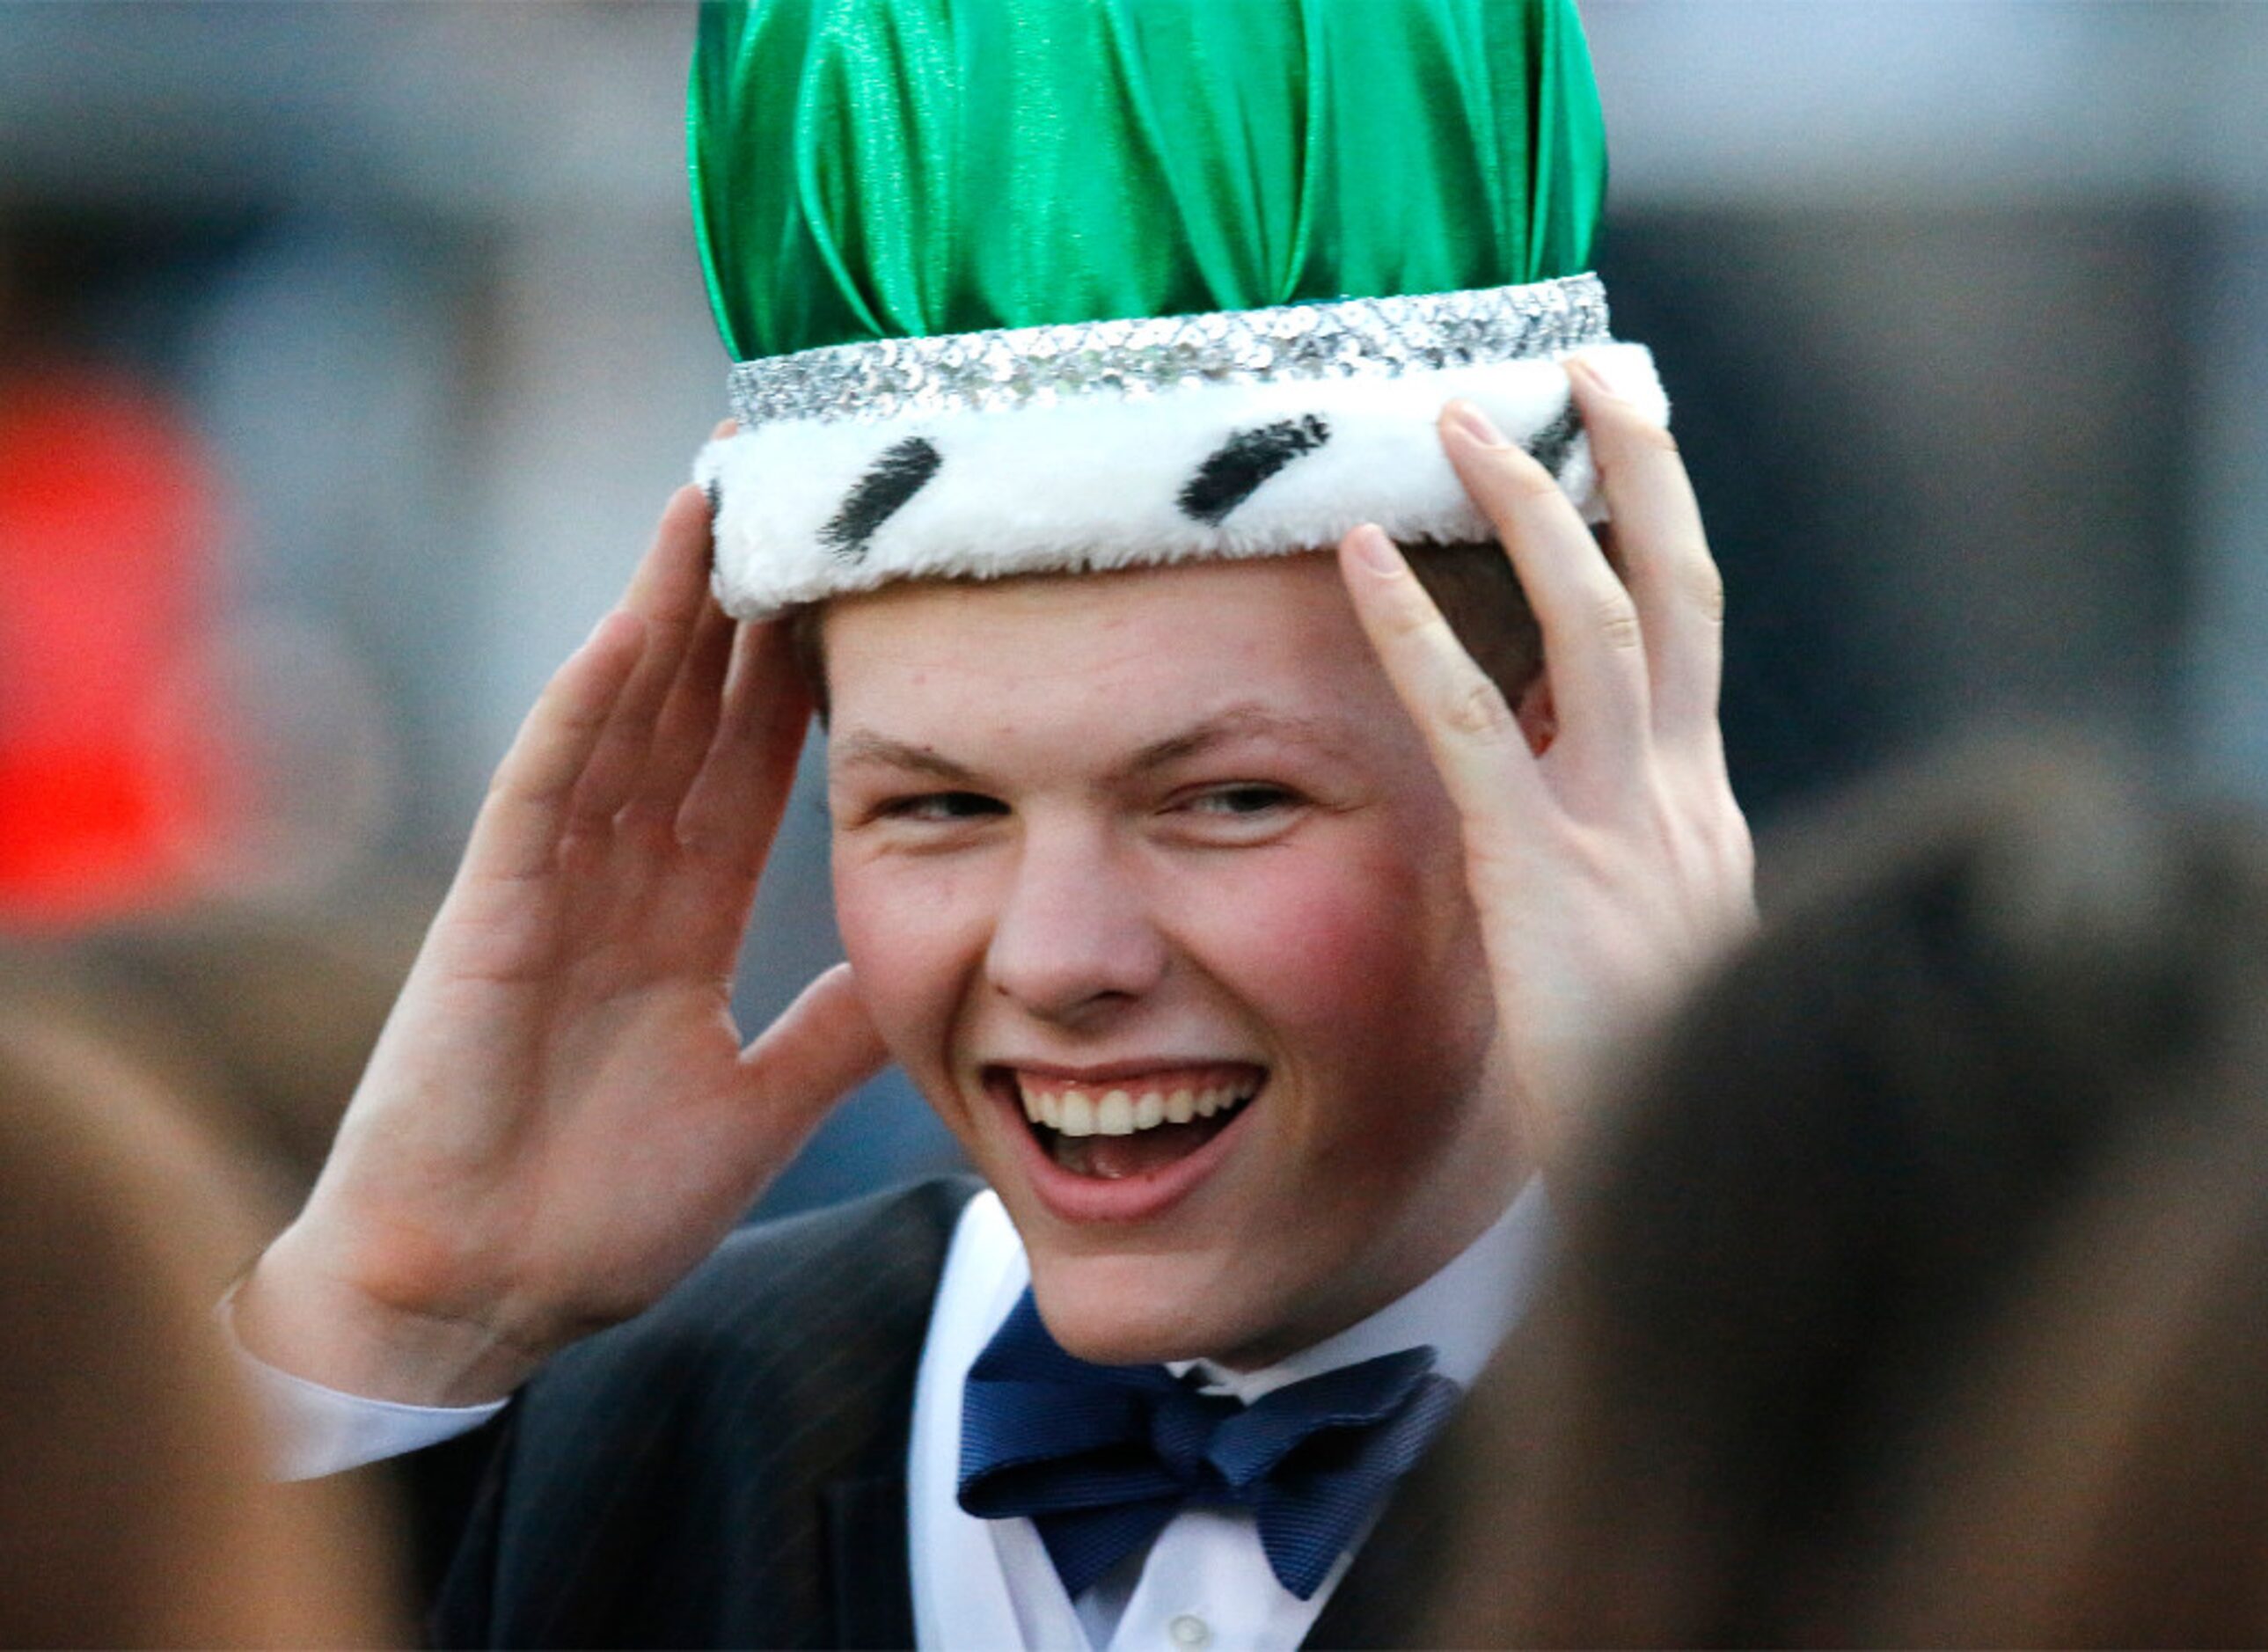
point(2100, 1481)
point(1151, 886)
point(133, 1511)
point(1827, 1185)
point(255, 1020)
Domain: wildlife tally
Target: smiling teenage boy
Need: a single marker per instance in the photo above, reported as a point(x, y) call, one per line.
point(1255, 944)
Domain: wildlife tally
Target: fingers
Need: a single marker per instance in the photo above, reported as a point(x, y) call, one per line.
point(632, 718)
point(688, 722)
point(670, 579)
point(1666, 564)
point(518, 833)
point(668, 592)
point(723, 832)
point(1476, 744)
point(1593, 645)
point(822, 1045)
point(733, 806)
point(758, 711)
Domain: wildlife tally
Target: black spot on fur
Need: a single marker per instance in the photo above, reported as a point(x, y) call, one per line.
point(881, 493)
point(1551, 446)
point(715, 489)
point(1240, 465)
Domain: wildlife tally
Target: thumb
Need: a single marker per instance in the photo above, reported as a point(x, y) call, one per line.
point(820, 1046)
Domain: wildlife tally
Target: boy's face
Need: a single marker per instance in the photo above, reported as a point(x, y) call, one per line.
point(1122, 849)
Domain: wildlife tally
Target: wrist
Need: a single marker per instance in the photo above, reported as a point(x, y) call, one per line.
point(315, 1323)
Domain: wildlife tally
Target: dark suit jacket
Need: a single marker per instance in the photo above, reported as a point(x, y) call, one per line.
point(728, 1469)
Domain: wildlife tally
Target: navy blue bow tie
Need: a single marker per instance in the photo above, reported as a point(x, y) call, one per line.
point(1101, 1456)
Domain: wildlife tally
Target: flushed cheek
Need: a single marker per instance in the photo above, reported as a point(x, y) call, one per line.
point(1322, 950)
point(914, 948)
point(1374, 991)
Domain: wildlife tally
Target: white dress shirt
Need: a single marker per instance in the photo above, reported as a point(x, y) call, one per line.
point(981, 1583)
point(988, 1585)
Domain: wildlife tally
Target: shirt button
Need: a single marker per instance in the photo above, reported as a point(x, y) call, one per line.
point(1188, 1630)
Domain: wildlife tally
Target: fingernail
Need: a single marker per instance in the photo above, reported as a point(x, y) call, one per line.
point(1476, 424)
point(1376, 550)
point(1611, 373)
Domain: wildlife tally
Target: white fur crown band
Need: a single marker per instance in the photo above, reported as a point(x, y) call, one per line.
point(1120, 443)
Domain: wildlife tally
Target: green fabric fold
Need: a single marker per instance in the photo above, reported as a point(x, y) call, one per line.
point(867, 169)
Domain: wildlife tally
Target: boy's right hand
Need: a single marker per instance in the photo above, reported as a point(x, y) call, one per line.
point(559, 1119)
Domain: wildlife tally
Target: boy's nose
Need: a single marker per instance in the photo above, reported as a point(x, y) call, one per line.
point(1073, 935)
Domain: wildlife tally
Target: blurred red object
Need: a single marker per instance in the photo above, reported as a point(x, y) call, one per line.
point(113, 757)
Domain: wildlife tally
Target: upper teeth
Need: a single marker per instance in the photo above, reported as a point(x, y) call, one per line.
point(1124, 1112)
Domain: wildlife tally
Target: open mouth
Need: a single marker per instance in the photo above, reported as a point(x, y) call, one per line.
point(1113, 1129)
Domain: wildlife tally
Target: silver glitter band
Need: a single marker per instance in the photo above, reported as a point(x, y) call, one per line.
point(989, 372)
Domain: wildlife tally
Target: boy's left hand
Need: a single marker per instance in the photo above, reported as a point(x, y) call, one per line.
point(1612, 866)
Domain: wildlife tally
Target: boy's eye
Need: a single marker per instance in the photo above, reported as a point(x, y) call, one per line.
point(942, 807)
point(1242, 802)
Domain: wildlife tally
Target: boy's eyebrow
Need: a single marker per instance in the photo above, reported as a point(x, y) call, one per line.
point(1238, 722)
point(863, 747)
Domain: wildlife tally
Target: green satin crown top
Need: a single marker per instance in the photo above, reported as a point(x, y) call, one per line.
point(872, 169)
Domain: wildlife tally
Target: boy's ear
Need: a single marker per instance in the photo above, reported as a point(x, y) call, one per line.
point(1537, 716)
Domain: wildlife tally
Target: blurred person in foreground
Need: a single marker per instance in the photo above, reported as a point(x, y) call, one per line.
point(134, 1507)
point(1830, 1192)
point(1254, 943)
point(256, 1018)
point(2103, 1480)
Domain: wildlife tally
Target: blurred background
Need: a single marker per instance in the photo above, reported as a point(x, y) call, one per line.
point(347, 352)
